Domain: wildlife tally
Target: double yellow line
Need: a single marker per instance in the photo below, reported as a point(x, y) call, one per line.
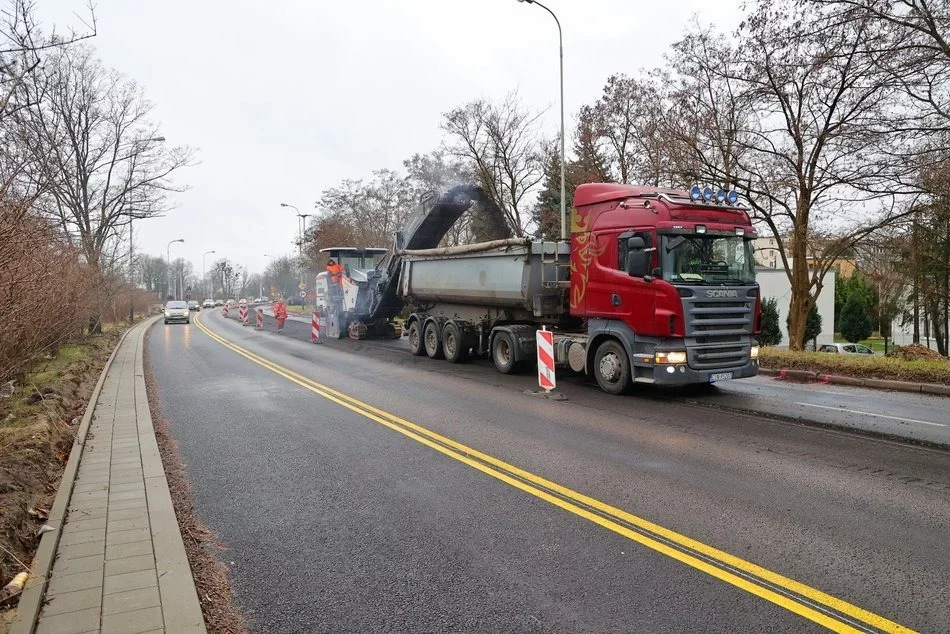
point(808, 602)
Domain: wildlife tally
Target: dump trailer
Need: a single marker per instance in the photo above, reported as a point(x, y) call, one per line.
point(654, 286)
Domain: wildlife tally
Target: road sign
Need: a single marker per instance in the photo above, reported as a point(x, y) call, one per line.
point(302, 293)
point(302, 286)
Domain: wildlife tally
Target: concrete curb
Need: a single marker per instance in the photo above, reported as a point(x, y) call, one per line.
point(878, 384)
point(31, 600)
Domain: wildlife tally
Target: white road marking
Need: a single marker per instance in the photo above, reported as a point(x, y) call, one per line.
point(855, 411)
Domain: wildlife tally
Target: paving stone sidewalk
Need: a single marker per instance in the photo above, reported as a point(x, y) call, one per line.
point(120, 564)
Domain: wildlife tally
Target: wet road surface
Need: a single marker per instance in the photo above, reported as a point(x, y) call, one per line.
point(337, 522)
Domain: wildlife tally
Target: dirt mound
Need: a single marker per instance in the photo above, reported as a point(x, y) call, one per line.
point(915, 352)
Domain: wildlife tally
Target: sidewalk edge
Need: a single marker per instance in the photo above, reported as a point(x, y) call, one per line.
point(867, 382)
point(31, 600)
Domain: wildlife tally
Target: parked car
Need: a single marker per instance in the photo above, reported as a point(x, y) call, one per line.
point(845, 348)
point(193, 304)
point(208, 303)
point(177, 311)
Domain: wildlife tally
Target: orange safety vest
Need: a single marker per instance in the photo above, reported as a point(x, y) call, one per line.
point(336, 273)
point(280, 311)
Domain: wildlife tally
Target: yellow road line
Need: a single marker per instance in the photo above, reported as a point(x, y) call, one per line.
point(576, 502)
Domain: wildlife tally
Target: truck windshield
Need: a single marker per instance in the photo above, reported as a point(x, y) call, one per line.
point(707, 259)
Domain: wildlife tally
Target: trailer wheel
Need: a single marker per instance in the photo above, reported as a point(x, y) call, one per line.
point(430, 337)
point(612, 367)
point(453, 346)
point(415, 339)
point(503, 353)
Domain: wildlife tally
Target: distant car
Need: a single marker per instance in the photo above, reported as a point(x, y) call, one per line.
point(242, 301)
point(194, 305)
point(208, 303)
point(219, 302)
point(845, 348)
point(177, 311)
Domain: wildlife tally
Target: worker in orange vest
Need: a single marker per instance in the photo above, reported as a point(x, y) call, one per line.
point(335, 270)
point(280, 314)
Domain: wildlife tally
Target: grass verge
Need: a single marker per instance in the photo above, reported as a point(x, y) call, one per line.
point(36, 436)
point(876, 367)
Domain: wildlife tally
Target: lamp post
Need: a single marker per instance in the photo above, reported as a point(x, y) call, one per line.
point(157, 139)
point(560, 43)
point(203, 267)
point(168, 259)
point(266, 255)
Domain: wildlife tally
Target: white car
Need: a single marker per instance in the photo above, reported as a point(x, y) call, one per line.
point(845, 348)
point(208, 303)
point(177, 311)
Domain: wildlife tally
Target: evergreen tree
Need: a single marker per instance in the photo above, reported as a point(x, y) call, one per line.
point(771, 335)
point(812, 326)
point(855, 321)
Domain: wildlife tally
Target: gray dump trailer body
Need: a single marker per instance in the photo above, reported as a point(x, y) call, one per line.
point(502, 276)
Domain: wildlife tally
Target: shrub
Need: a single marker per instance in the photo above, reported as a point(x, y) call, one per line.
point(855, 321)
point(872, 366)
point(771, 335)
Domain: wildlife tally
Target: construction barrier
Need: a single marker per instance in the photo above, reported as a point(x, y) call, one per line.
point(546, 360)
point(315, 327)
point(242, 313)
point(225, 309)
point(260, 319)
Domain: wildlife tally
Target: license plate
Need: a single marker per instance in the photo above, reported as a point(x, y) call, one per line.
point(720, 376)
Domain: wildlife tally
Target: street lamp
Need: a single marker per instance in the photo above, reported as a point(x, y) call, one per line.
point(157, 139)
point(560, 43)
point(168, 258)
point(300, 230)
point(203, 267)
point(266, 255)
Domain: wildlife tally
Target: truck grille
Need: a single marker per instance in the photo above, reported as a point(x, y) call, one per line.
point(718, 329)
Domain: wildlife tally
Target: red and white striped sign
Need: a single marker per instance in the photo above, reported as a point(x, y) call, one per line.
point(260, 319)
point(224, 310)
point(242, 313)
point(546, 360)
point(315, 327)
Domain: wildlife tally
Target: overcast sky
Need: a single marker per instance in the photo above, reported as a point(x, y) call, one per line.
point(285, 98)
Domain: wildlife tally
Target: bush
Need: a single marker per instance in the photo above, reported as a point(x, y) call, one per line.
point(46, 290)
point(812, 326)
point(876, 366)
point(771, 335)
point(855, 321)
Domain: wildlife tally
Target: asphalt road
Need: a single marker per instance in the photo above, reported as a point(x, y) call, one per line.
point(917, 417)
point(337, 519)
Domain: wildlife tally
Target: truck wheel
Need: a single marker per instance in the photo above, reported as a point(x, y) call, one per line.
point(415, 339)
point(430, 337)
point(453, 346)
point(612, 368)
point(503, 353)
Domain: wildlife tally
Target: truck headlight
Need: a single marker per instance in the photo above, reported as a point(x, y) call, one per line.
point(755, 352)
point(670, 357)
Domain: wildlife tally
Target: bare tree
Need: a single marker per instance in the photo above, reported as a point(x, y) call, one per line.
point(818, 160)
point(94, 150)
point(23, 45)
point(913, 47)
point(500, 144)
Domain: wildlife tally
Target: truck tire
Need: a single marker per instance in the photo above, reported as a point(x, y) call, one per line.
point(612, 367)
point(453, 345)
point(430, 339)
point(415, 339)
point(503, 353)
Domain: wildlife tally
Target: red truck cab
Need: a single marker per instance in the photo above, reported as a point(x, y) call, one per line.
point(670, 274)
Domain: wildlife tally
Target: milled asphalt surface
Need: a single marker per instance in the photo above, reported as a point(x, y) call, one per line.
point(335, 523)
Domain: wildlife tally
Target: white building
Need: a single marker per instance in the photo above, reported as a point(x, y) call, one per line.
point(773, 282)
